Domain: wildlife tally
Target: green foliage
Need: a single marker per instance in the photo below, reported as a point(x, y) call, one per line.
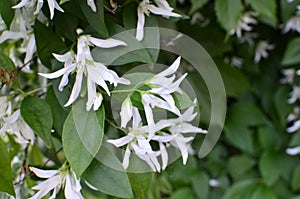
point(37, 114)
point(6, 175)
point(82, 136)
point(291, 54)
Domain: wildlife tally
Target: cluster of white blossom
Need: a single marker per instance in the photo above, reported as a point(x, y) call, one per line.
point(11, 122)
point(293, 23)
point(167, 132)
point(84, 65)
point(294, 117)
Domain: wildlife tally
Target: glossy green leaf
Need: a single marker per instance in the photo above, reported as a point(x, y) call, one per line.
point(6, 11)
point(269, 167)
point(296, 179)
point(59, 113)
point(200, 185)
point(267, 10)
point(6, 63)
point(6, 175)
point(242, 189)
point(263, 192)
point(292, 52)
point(47, 42)
point(185, 193)
point(140, 183)
point(82, 135)
point(108, 180)
point(95, 19)
point(238, 165)
point(228, 13)
point(37, 114)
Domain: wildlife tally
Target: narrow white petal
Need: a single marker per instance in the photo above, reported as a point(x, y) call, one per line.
point(106, 43)
point(140, 24)
point(64, 57)
point(136, 118)
point(161, 11)
point(91, 3)
point(43, 173)
point(91, 91)
point(55, 74)
point(172, 69)
point(98, 101)
point(295, 127)
point(30, 50)
point(127, 154)
point(76, 88)
point(293, 151)
point(126, 112)
point(21, 4)
point(10, 35)
point(121, 141)
point(164, 155)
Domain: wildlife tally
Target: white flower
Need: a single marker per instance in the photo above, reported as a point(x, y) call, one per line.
point(126, 112)
point(261, 50)
point(295, 94)
point(293, 151)
point(91, 3)
point(289, 75)
point(294, 127)
point(13, 123)
point(178, 127)
point(145, 7)
point(83, 63)
point(244, 24)
point(56, 179)
point(292, 24)
point(52, 4)
point(136, 140)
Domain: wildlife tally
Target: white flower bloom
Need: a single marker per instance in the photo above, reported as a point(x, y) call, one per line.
point(244, 24)
point(13, 123)
point(91, 3)
point(289, 75)
point(294, 127)
point(292, 24)
point(178, 127)
point(52, 4)
point(126, 112)
point(136, 140)
point(145, 7)
point(83, 63)
point(261, 50)
point(214, 183)
point(56, 179)
point(295, 94)
point(293, 151)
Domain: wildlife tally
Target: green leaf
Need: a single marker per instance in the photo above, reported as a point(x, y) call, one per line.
point(37, 114)
point(95, 19)
point(197, 4)
point(135, 51)
point(82, 136)
point(59, 113)
point(283, 108)
point(6, 11)
point(263, 192)
point(35, 157)
point(292, 52)
point(185, 193)
point(140, 183)
point(267, 10)
point(228, 13)
point(268, 137)
point(235, 81)
point(108, 180)
point(6, 175)
point(66, 25)
point(6, 63)
point(47, 42)
point(242, 189)
point(238, 165)
point(296, 179)
point(269, 167)
point(200, 185)
point(287, 9)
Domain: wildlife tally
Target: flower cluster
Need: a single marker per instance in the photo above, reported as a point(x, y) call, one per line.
point(12, 122)
point(83, 64)
point(56, 179)
point(167, 132)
